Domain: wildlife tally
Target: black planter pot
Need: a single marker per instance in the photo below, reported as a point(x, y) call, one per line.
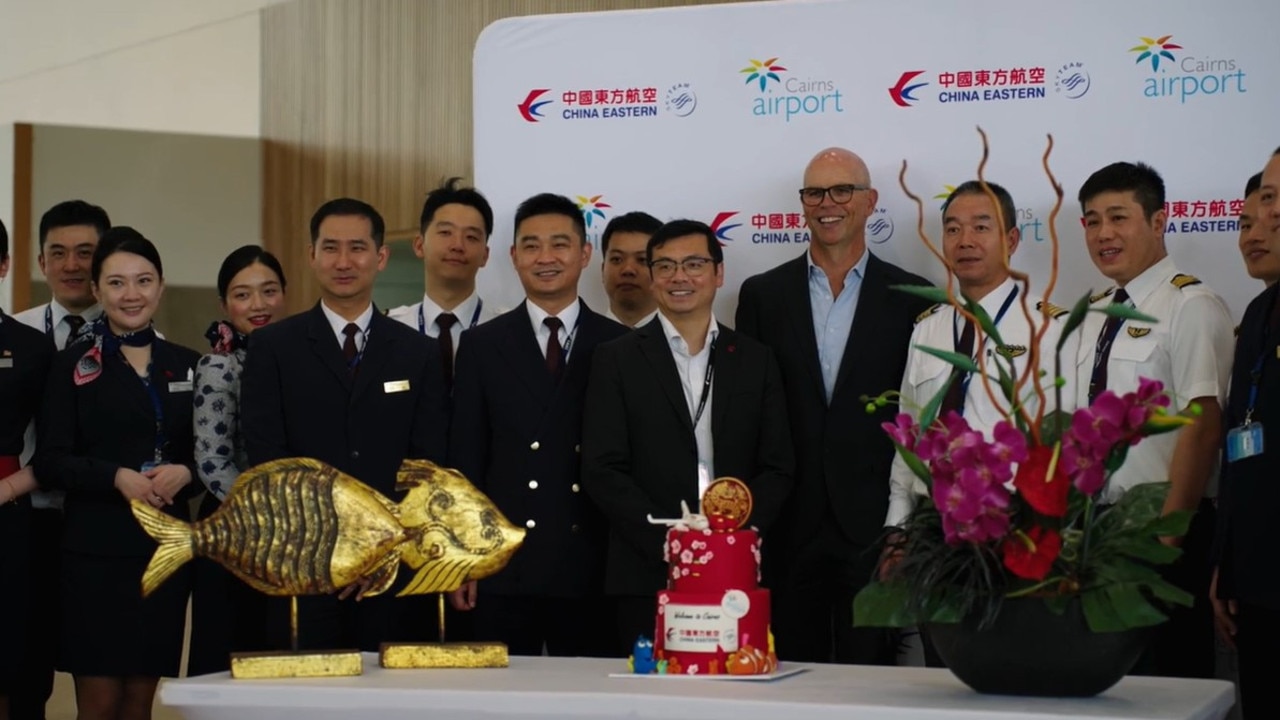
point(1030, 651)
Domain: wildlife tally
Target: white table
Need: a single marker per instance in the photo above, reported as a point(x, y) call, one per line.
point(581, 689)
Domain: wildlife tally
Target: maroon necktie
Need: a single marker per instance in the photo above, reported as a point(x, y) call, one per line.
point(554, 351)
point(349, 350)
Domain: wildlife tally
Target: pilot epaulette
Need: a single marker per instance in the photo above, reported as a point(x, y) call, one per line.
point(1095, 298)
point(1182, 280)
point(932, 309)
point(1053, 310)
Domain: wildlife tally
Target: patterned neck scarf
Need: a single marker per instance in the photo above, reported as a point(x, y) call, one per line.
point(225, 339)
point(107, 344)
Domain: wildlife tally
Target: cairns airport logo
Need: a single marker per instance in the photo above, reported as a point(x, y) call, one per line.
point(1181, 74)
point(782, 94)
point(606, 103)
point(593, 209)
point(783, 228)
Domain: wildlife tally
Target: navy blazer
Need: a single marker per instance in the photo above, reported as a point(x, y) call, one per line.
point(25, 357)
point(516, 435)
point(843, 456)
point(640, 456)
point(299, 400)
point(88, 432)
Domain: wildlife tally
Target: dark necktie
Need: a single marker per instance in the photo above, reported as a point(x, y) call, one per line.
point(554, 350)
point(75, 322)
point(349, 349)
point(1102, 351)
point(954, 399)
point(445, 322)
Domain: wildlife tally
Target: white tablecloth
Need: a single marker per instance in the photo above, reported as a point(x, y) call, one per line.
point(581, 689)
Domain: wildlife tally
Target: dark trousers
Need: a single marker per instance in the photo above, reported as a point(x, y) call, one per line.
point(226, 614)
point(636, 617)
point(813, 606)
point(1257, 637)
point(34, 683)
point(565, 627)
point(1184, 646)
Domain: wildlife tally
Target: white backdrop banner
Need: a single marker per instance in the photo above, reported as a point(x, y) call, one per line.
point(712, 112)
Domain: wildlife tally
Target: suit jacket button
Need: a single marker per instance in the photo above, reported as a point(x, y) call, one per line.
point(529, 524)
point(355, 454)
point(535, 445)
point(575, 487)
point(533, 484)
point(577, 448)
point(574, 528)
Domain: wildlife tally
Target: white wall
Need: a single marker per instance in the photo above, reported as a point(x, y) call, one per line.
point(184, 66)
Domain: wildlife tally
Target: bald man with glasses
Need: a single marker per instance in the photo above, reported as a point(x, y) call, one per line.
point(840, 335)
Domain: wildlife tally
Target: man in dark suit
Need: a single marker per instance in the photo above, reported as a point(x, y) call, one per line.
point(343, 384)
point(516, 434)
point(841, 336)
point(670, 407)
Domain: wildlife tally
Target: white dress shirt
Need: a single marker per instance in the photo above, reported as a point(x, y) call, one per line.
point(1190, 350)
point(339, 323)
point(640, 323)
point(569, 325)
point(692, 369)
point(56, 315)
point(926, 374)
point(428, 311)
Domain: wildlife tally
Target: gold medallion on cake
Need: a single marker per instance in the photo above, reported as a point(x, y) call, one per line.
point(728, 498)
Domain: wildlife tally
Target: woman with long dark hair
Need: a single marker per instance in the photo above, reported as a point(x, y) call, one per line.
point(226, 614)
point(116, 426)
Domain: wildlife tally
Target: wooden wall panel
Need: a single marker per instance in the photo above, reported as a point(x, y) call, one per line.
point(371, 99)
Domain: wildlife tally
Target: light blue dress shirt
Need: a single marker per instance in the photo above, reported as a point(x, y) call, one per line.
point(833, 316)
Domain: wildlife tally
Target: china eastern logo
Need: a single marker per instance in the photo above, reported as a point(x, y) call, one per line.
point(1021, 82)
point(777, 92)
point(1215, 215)
point(721, 226)
point(1176, 72)
point(596, 104)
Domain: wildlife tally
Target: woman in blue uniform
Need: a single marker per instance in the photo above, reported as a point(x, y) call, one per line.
point(116, 426)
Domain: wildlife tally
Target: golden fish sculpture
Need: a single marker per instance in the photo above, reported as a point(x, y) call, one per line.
point(300, 527)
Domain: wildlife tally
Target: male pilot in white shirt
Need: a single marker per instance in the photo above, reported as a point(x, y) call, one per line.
point(624, 270)
point(972, 245)
point(69, 233)
point(1190, 350)
point(453, 242)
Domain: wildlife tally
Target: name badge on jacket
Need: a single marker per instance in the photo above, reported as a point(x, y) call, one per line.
point(395, 386)
point(6, 362)
point(183, 385)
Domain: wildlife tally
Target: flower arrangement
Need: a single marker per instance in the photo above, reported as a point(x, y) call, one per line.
point(1018, 513)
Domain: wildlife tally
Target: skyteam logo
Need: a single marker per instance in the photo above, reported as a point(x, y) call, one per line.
point(1175, 73)
point(593, 215)
point(902, 93)
point(531, 108)
point(777, 93)
point(721, 226)
point(681, 100)
point(1072, 81)
point(879, 227)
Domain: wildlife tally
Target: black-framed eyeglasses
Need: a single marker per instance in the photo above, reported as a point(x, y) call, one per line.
point(812, 196)
point(694, 266)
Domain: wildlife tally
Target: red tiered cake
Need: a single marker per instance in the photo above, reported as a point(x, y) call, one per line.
point(714, 617)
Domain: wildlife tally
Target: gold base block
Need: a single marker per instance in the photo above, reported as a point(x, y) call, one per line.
point(286, 664)
point(402, 656)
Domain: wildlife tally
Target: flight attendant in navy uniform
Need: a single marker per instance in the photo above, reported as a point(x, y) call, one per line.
point(516, 433)
point(116, 426)
point(25, 355)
